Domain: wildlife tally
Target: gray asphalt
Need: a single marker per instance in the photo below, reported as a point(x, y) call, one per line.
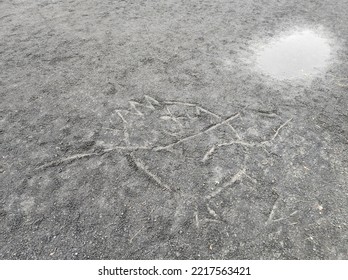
point(143, 130)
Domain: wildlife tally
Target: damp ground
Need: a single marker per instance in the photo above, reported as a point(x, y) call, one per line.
point(299, 55)
point(132, 130)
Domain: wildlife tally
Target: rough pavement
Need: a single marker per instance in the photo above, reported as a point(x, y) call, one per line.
point(139, 130)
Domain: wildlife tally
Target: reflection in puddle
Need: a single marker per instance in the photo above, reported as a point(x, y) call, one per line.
point(301, 54)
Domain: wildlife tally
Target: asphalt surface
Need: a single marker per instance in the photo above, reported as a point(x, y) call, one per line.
point(141, 130)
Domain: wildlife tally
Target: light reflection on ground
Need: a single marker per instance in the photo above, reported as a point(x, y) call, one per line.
point(300, 55)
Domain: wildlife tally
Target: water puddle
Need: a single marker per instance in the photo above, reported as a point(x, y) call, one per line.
point(299, 55)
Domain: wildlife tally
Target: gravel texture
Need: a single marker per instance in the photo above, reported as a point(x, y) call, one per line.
point(141, 130)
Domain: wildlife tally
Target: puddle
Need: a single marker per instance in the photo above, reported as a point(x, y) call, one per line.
point(299, 55)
